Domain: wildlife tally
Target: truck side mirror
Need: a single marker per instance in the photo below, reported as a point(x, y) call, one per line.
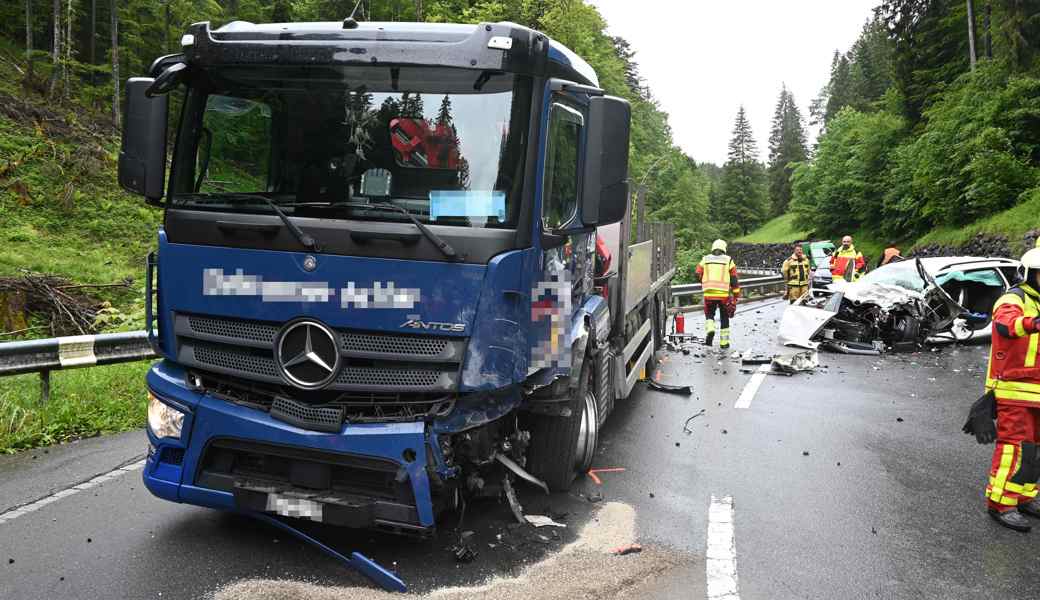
point(605, 184)
point(142, 156)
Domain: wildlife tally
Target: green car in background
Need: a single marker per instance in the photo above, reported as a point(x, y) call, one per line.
point(819, 254)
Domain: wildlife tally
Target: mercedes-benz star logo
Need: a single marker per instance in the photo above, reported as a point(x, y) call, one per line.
point(307, 355)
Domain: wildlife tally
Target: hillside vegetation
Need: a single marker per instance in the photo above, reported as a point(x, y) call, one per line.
point(775, 231)
point(921, 141)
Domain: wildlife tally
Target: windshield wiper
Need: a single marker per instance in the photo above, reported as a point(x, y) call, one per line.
point(306, 240)
point(443, 246)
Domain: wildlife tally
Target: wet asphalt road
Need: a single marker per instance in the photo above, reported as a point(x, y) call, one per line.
point(887, 502)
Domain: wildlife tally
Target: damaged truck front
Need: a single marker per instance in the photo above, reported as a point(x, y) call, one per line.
point(382, 285)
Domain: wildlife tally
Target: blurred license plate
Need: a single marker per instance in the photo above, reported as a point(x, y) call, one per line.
point(288, 506)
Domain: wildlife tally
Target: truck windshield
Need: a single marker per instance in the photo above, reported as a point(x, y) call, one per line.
point(446, 145)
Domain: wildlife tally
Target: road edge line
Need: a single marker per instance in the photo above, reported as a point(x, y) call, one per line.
point(23, 509)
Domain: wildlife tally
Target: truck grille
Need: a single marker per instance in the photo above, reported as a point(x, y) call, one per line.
point(245, 330)
point(225, 359)
point(353, 407)
point(372, 362)
point(392, 344)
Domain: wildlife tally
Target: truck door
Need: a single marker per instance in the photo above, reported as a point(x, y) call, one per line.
point(567, 269)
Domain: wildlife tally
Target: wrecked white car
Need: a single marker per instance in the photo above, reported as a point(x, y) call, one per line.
point(901, 305)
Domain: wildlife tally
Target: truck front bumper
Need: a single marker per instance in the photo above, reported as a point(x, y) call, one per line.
point(233, 457)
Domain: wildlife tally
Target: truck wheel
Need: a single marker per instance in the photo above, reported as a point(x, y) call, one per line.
point(563, 446)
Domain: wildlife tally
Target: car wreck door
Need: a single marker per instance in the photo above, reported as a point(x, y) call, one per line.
point(942, 308)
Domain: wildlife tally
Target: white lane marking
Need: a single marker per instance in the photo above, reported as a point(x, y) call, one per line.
point(25, 509)
point(721, 563)
point(748, 394)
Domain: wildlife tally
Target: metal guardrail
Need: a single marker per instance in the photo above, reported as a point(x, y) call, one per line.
point(52, 354)
point(753, 284)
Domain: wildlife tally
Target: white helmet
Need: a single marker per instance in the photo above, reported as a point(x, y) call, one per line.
point(1030, 264)
point(718, 245)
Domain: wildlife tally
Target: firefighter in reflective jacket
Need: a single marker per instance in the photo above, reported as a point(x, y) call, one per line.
point(796, 272)
point(718, 276)
point(1014, 378)
point(847, 263)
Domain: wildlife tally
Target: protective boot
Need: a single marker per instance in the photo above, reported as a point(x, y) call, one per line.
point(724, 339)
point(709, 328)
point(1012, 519)
point(1030, 509)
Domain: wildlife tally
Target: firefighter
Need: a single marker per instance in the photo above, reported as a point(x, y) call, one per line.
point(890, 254)
point(718, 276)
point(847, 263)
point(796, 272)
point(1014, 379)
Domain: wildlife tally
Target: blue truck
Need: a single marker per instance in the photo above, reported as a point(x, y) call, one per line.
point(397, 267)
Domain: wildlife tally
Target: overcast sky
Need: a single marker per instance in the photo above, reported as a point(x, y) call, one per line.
point(702, 59)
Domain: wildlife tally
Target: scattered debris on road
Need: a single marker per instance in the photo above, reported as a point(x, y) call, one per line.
point(685, 426)
point(626, 550)
point(751, 358)
point(798, 362)
point(542, 521)
point(671, 389)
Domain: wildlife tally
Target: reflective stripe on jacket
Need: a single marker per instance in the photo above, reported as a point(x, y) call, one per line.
point(718, 276)
point(847, 262)
point(796, 272)
point(1013, 372)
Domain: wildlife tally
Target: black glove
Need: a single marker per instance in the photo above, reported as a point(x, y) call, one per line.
point(981, 418)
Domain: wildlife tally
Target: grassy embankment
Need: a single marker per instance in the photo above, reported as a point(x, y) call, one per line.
point(1013, 223)
point(62, 213)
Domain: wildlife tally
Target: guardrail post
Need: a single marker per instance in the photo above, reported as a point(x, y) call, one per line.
point(45, 386)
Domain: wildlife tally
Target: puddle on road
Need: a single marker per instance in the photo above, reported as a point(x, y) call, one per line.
point(584, 568)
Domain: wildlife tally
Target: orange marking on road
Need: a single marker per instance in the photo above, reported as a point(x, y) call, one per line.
point(592, 473)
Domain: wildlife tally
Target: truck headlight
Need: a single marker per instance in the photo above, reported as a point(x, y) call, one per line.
point(163, 419)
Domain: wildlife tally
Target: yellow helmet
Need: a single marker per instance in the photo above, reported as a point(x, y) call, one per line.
point(718, 245)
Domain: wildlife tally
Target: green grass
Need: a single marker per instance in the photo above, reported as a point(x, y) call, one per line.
point(84, 403)
point(1014, 223)
point(63, 213)
point(780, 230)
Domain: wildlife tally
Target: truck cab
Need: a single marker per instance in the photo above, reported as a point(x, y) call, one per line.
point(374, 285)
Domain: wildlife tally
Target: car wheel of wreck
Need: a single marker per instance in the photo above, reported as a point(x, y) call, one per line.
point(563, 446)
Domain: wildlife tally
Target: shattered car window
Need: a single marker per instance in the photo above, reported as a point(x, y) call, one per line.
point(988, 277)
point(901, 274)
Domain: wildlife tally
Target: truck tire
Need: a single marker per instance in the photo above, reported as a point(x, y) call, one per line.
point(563, 446)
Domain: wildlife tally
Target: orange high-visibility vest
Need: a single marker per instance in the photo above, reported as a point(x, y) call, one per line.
point(1013, 373)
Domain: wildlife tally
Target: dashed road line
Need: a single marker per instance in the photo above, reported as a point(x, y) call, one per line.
point(35, 505)
point(748, 394)
point(721, 563)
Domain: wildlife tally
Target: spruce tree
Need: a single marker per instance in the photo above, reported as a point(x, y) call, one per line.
point(786, 147)
point(742, 198)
